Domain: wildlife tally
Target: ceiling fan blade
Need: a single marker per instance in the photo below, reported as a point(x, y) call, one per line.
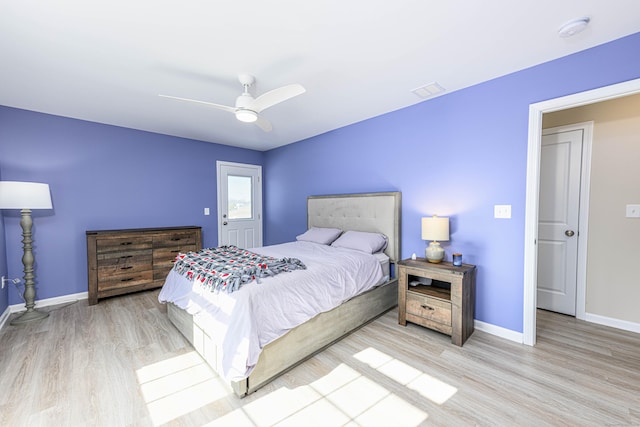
point(277, 96)
point(263, 124)
point(210, 104)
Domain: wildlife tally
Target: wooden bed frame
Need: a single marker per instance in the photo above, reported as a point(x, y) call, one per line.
point(375, 212)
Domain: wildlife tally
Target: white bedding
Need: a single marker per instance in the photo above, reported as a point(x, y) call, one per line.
point(243, 322)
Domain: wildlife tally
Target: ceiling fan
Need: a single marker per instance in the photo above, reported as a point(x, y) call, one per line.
point(248, 108)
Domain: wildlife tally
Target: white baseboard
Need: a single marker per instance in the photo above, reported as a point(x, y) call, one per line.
point(499, 331)
point(614, 323)
point(16, 308)
point(588, 317)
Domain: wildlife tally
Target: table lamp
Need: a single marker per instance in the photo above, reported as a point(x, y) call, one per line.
point(26, 196)
point(435, 228)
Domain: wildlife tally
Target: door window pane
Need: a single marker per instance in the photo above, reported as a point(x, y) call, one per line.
point(239, 193)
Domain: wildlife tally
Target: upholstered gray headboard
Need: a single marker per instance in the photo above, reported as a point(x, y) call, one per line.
point(374, 212)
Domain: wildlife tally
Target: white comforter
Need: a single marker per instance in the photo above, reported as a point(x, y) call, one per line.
point(243, 322)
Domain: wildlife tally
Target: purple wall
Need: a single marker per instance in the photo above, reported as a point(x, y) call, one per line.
point(457, 155)
point(101, 177)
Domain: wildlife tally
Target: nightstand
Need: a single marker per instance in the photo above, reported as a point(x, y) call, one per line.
point(437, 296)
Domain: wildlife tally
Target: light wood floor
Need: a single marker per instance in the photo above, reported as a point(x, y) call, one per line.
point(121, 363)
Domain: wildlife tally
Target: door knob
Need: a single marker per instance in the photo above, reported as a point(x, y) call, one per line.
point(224, 223)
point(569, 233)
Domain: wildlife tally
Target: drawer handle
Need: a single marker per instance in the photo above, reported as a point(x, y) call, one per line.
point(126, 243)
point(176, 252)
point(426, 307)
point(126, 256)
point(125, 268)
point(175, 239)
point(127, 279)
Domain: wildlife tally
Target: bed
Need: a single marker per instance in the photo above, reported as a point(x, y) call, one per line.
point(370, 212)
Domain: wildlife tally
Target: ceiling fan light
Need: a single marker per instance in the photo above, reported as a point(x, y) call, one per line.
point(246, 116)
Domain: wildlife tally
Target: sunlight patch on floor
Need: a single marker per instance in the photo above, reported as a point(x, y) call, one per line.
point(392, 411)
point(280, 404)
point(339, 398)
point(180, 385)
point(174, 387)
point(432, 388)
point(357, 396)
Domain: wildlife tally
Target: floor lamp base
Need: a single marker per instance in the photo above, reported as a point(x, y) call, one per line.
point(29, 316)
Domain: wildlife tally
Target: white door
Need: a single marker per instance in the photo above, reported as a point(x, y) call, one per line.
point(239, 204)
point(560, 171)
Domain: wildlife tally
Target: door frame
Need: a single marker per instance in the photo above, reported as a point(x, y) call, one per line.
point(583, 210)
point(533, 183)
point(258, 198)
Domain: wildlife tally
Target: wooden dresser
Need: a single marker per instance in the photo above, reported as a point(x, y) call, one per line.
point(123, 261)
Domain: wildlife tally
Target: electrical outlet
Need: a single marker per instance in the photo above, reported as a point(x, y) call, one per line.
point(7, 280)
point(502, 211)
point(633, 211)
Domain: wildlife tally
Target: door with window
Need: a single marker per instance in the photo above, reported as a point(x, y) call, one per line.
point(239, 204)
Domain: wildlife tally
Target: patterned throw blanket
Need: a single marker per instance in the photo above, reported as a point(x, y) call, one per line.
point(226, 268)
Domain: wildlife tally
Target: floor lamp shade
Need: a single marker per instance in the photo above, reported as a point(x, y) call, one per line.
point(26, 196)
point(435, 229)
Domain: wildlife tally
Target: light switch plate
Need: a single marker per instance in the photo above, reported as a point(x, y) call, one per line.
point(633, 211)
point(502, 211)
point(206, 211)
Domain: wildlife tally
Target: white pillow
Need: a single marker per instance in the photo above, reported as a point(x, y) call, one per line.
point(363, 241)
point(324, 236)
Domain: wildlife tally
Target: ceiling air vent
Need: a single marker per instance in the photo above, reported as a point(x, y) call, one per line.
point(428, 90)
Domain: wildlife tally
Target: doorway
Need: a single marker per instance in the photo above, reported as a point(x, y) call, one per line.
point(533, 183)
point(239, 204)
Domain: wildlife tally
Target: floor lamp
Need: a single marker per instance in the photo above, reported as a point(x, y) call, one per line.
point(26, 196)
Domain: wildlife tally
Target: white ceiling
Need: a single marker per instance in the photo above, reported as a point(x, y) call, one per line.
point(106, 61)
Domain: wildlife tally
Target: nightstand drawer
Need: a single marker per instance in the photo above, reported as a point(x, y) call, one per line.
point(428, 308)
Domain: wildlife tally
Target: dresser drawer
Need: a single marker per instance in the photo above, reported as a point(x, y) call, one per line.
point(123, 244)
point(164, 257)
point(174, 239)
point(117, 281)
point(113, 263)
point(429, 308)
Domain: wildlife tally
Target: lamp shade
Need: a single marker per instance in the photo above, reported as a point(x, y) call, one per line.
point(24, 195)
point(435, 228)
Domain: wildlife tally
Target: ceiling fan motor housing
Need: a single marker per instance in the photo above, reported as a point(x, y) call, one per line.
point(244, 101)
point(244, 113)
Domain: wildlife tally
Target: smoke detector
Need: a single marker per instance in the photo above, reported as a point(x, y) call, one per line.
point(573, 27)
